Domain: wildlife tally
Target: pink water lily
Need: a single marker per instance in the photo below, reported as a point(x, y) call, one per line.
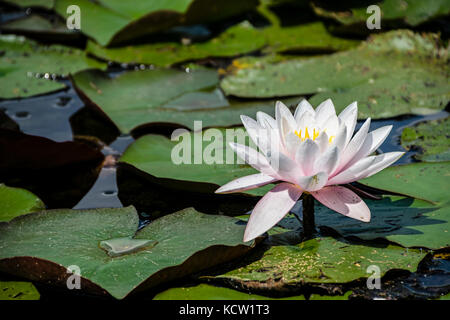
point(312, 151)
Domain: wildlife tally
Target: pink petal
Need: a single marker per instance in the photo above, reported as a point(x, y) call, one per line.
point(344, 201)
point(271, 209)
point(246, 183)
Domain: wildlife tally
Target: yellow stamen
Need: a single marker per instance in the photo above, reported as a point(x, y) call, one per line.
point(306, 133)
point(331, 139)
point(314, 137)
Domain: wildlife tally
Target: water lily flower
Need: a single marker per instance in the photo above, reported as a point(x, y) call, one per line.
point(312, 152)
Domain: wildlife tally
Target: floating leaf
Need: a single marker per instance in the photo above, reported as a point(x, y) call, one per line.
point(114, 21)
point(399, 68)
point(427, 181)
point(393, 12)
point(23, 61)
point(15, 202)
point(319, 260)
point(209, 292)
point(236, 40)
point(18, 290)
point(41, 246)
point(406, 221)
point(155, 155)
point(38, 27)
point(431, 138)
point(135, 98)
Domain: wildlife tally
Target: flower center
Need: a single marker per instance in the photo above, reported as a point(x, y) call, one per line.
point(306, 135)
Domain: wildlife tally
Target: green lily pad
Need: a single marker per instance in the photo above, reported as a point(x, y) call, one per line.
point(40, 246)
point(18, 290)
point(398, 68)
point(310, 37)
point(431, 138)
point(135, 98)
point(406, 221)
point(393, 12)
point(114, 21)
point(15, 202)
point(320, 260)
point(38, 27)
point(208, 292)
point(152, 155)
point(234, 41)
point(426, 181)
point(22, 60)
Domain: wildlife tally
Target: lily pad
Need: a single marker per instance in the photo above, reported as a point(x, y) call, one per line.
point(18, 290)
point(152, 156)
point(15, 202)
point(112, 22)
point(135, 98)
point(236, 40)
point(239, 39)
point(393, 12)
point(208, 292)
point(426, 181)
point(398, 68)
point(319, 260)
point(431, 138)
point(26, 68)
point(35, 26)
point(406, 221)
point(42, 246)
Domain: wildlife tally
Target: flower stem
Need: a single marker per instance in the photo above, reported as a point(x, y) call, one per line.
point(309, 227)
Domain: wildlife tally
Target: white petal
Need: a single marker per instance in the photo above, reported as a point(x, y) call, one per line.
point(253, 158)
point(284, 167)
point(324, 111)
point(328, 161)
point(373, 140)
point(313, 182)
point(246, 183)
point(322, 141)
point(354, 145)
point(349, 116)
point(331, 125)
point(344, 201)
point(352, 174)
point(271, 209)
point(306, 121)
point(306, 155)
point(285, 120)
point(265, 120)
point(292, 143)
point(255, 131)
point(382, 161)
point(339, 140)
point(303, 106)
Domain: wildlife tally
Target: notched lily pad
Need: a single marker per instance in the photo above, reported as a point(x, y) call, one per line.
point(42, 246)
point(406, 221)
point(161, 159)
point(430, 138)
